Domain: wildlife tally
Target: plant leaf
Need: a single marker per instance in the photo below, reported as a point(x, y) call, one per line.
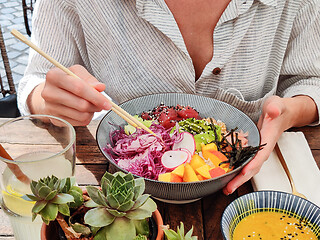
point(78, 198)
point(121, 228)
point(93, 193)
point(139, 187)
point(32, 197)
point(49, 212)
point(126, 206)
point(51, 195)
point(80, 228)
point(62, 198)
point(64, 209)
point(140, 201)
point(139, 214)
point(91, 204)
point(33, 186)
point(113, 202)
point(116, 213)
point(44, 191)
point(98, 217)
point(38, 206)
point(170, 234)
point(150, 205)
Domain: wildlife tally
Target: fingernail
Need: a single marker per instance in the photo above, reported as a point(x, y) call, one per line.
point(248, 173)
point(226, 192)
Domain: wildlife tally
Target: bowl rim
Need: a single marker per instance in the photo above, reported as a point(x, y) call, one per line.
point(259, 193)
point(179, 183)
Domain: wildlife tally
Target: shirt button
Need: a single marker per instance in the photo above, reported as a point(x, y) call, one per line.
point(216, 71)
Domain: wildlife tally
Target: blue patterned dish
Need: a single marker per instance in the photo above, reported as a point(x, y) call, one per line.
point(268, 201)
point(207, 107)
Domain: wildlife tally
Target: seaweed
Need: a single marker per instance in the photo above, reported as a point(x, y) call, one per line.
point(234, 151)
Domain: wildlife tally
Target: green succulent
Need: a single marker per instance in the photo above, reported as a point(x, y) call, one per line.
point(53, 196)
point(119, 207)
point(179, 234)
point(140, 237)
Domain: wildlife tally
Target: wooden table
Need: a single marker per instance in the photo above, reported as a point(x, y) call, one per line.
point(204, 215)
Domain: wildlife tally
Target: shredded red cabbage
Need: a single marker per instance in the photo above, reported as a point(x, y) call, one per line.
point(140, 153)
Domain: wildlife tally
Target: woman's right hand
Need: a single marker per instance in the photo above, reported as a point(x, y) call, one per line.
point(72, 99)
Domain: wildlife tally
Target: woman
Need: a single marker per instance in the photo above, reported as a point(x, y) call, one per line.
point(258, 55)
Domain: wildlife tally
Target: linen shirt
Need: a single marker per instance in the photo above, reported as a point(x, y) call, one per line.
point(261, 48)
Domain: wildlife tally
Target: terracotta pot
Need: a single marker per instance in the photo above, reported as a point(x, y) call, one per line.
point(50, 232)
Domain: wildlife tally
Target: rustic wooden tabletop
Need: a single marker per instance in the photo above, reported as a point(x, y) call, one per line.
point(204, 215)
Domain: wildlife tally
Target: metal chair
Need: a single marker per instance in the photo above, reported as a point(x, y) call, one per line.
point(27, 7)
point(8, 104)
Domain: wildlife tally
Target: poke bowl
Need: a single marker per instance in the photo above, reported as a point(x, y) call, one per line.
point(162, 188)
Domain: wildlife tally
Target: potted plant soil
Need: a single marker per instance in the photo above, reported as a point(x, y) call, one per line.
point(118, 210)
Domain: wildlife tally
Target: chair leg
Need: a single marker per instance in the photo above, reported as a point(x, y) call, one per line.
point(25, 9)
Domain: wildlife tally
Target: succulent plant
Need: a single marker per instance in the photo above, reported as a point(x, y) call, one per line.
point(120, 208)
point(53, 196)
point(179, 234)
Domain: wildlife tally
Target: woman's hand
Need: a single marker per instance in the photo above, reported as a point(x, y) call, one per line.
point(67, 97)
point(278, 115)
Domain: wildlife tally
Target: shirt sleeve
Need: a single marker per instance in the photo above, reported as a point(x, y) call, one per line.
point(56, 29)
point(300, 73)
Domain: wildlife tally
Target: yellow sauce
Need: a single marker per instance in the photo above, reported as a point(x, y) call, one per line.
point(268, 225)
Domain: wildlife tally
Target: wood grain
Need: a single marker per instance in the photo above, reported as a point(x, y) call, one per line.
point(204, 215)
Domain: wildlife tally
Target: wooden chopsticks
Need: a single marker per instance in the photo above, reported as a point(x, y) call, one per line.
point(118, 110)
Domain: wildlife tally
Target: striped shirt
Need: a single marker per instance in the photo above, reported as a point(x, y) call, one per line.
point(261, 48)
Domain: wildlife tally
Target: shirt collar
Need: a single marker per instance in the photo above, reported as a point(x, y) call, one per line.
point(272, 3)
point(238, 7)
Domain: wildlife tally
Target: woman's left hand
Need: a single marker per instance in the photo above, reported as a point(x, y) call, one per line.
point(278, 115)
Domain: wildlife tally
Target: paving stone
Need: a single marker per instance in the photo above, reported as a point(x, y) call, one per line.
point(5, 22)
point(19, 46)
point(7, 10)
point(13, 54)
point(11, 17)
point(19, 69)
point(11, 4)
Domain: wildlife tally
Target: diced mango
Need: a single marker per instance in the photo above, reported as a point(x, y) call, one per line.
point(189, 174)
point(201, 178)
point(204, 171)
point(210, 146)
point(169, 177)
point(214, 159)
point(220, 155)
point(216, 172)
point(164, 177)
point(179, 170)
point(196, 161)
point(175, 178)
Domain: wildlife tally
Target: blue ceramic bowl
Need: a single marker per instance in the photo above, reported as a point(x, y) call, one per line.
point(207, 107)
point(250, 203)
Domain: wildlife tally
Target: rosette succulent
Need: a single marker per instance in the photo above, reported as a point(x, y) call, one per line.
point(53, 196)
point(119, 208)
point(179, 234)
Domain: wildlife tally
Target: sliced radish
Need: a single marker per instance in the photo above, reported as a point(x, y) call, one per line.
point(185, 140)
point(173, 158)
point(187, 151)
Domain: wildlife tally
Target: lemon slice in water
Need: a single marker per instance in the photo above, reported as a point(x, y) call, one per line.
point(15, 203)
